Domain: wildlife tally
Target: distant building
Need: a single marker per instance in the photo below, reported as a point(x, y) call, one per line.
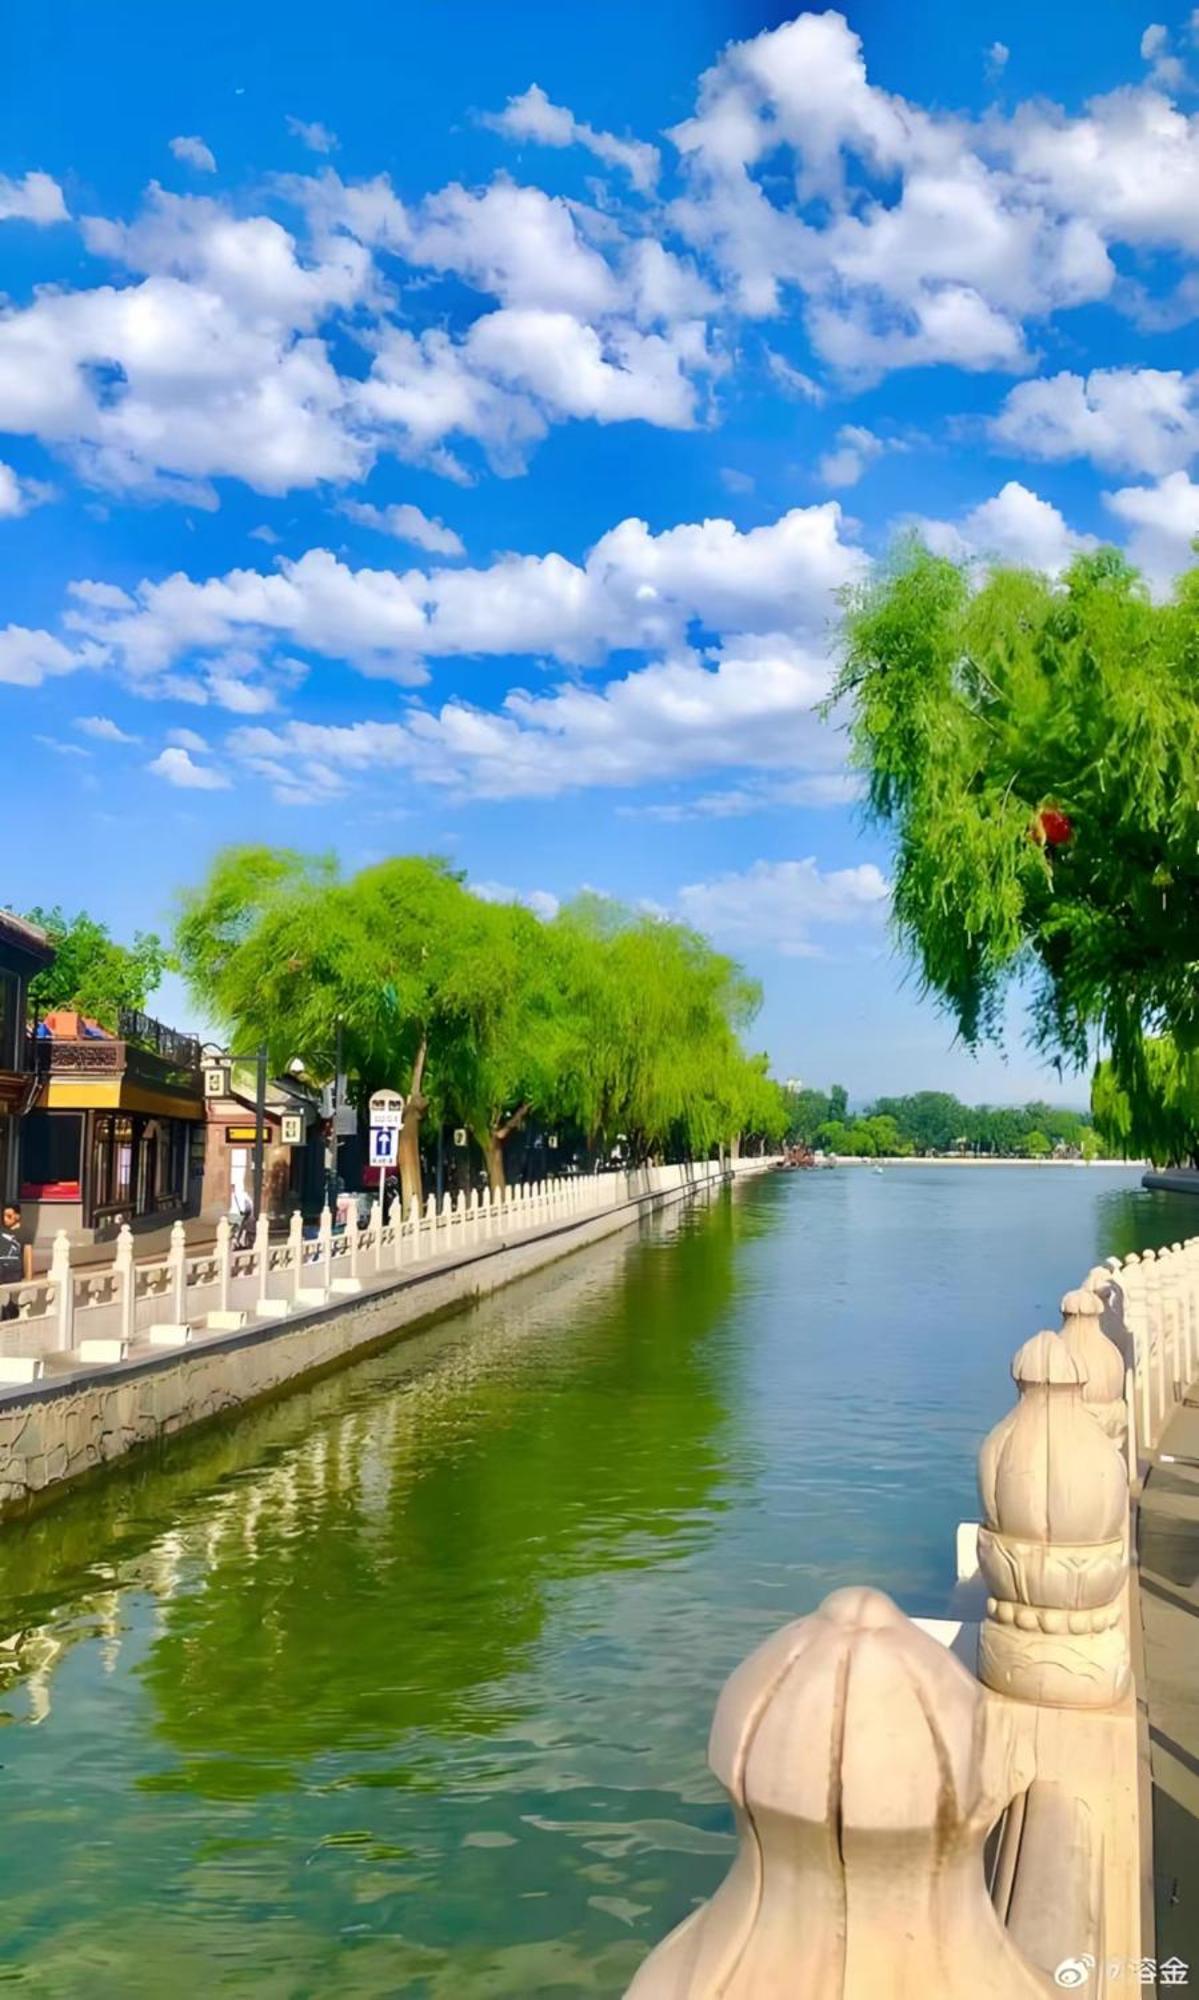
point(116, 1131)
point(293, 1168)
point(24, 952)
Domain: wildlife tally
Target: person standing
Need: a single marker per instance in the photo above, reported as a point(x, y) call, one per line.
point(16, 1257)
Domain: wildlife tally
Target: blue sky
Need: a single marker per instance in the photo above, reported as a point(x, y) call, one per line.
point(448, 428)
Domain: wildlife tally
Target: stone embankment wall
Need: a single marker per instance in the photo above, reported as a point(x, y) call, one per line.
point(80, 1416)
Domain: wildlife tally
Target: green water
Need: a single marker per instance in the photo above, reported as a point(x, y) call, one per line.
point(402, 1686)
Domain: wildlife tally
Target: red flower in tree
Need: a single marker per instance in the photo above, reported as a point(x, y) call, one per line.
point(1052, 828)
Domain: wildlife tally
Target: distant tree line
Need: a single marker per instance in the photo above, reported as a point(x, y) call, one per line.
point(934, 1121)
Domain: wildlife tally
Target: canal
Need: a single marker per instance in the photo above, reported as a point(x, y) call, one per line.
point(402, 1686)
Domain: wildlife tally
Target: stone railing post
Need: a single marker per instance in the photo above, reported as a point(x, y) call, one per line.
point(325, 1247)
point(1129, 1277)
point(1053, 1546)
point(414, 1224)
point(295, 1252)
point(177, 1263)
point(1099, 1359)
point(64, 1291)
point(1110, 1391)
point(866, 1769)
point(223, 1272)
point(126, 1277)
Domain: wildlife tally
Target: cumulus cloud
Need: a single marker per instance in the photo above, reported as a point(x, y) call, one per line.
point(317, 137)
point(35, 198)
point(179, 767)
point(777, 905)
point(852, 452)
point(27, 658)
point(406, 523)
point(202, 368)
point(1163, 521)
point(194, 153)
point(1016, 527)
point(533, 116)
point(634, 590)
point(103, 729)
point(1126, 419)
point(753, 704)
point(542, 902)
point(18, 495)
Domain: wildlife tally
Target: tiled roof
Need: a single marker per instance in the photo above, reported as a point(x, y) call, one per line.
point(25, 937)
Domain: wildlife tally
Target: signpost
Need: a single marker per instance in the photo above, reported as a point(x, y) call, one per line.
point(386, 1122)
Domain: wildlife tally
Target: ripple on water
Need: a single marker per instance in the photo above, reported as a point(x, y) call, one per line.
point(403, 1685)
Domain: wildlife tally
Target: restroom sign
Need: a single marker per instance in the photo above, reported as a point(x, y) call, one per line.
point(386, 1111)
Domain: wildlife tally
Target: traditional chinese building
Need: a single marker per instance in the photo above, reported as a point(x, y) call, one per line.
point(293, 1143)
point(24, 952)
point(116, 1130)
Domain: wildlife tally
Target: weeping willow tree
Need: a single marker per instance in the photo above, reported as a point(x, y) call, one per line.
point(1033, 746)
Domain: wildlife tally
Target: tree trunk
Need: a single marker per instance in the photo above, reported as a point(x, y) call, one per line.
point(493, 1155)
point(415, 1105)
point(491, 1143)
point(735, 1146)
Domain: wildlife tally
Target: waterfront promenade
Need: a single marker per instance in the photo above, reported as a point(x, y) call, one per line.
point(99, 1362)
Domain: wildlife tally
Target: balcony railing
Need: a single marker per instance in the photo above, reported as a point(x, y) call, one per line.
point(155, 1068)
point(182, 1051)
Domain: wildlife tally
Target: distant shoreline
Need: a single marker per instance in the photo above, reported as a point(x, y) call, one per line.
point(966, 1160)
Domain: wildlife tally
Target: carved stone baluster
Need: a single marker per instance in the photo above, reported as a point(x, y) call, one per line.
point(1099, 1360)
point(866, 1770)
point(1053, 1545)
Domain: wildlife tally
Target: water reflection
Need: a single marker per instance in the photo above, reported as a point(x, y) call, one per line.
point(402, 1685)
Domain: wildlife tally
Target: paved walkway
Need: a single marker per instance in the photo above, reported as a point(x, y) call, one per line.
point(1168, 1538)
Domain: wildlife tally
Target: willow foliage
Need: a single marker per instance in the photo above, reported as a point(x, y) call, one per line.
point(1034, 747)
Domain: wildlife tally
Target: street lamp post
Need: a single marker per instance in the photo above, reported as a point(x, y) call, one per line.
point(259, 1128)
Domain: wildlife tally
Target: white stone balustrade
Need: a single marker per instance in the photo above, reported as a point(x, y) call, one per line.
point(1053, 1543)
point(866, 1768)
point(142, 1302)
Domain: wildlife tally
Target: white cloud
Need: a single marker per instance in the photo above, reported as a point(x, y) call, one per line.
point(533, 116)
point(1164, 523)
point(194, 153)
point(201, 369)
point(317, 137)
point(792, 381)
point(103, 729)
point(754, 705)
point(28, 658)
point(776, 905)
point(635, 590)
point(997, 59)
point(1016, 527)
point(18, 495)
point(188, 739)
point(1166, 69)
point(1134, 419)
point(406, 524)
point(179, 768)
point(36, 198)
point(542, 902)
point(853, 451)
